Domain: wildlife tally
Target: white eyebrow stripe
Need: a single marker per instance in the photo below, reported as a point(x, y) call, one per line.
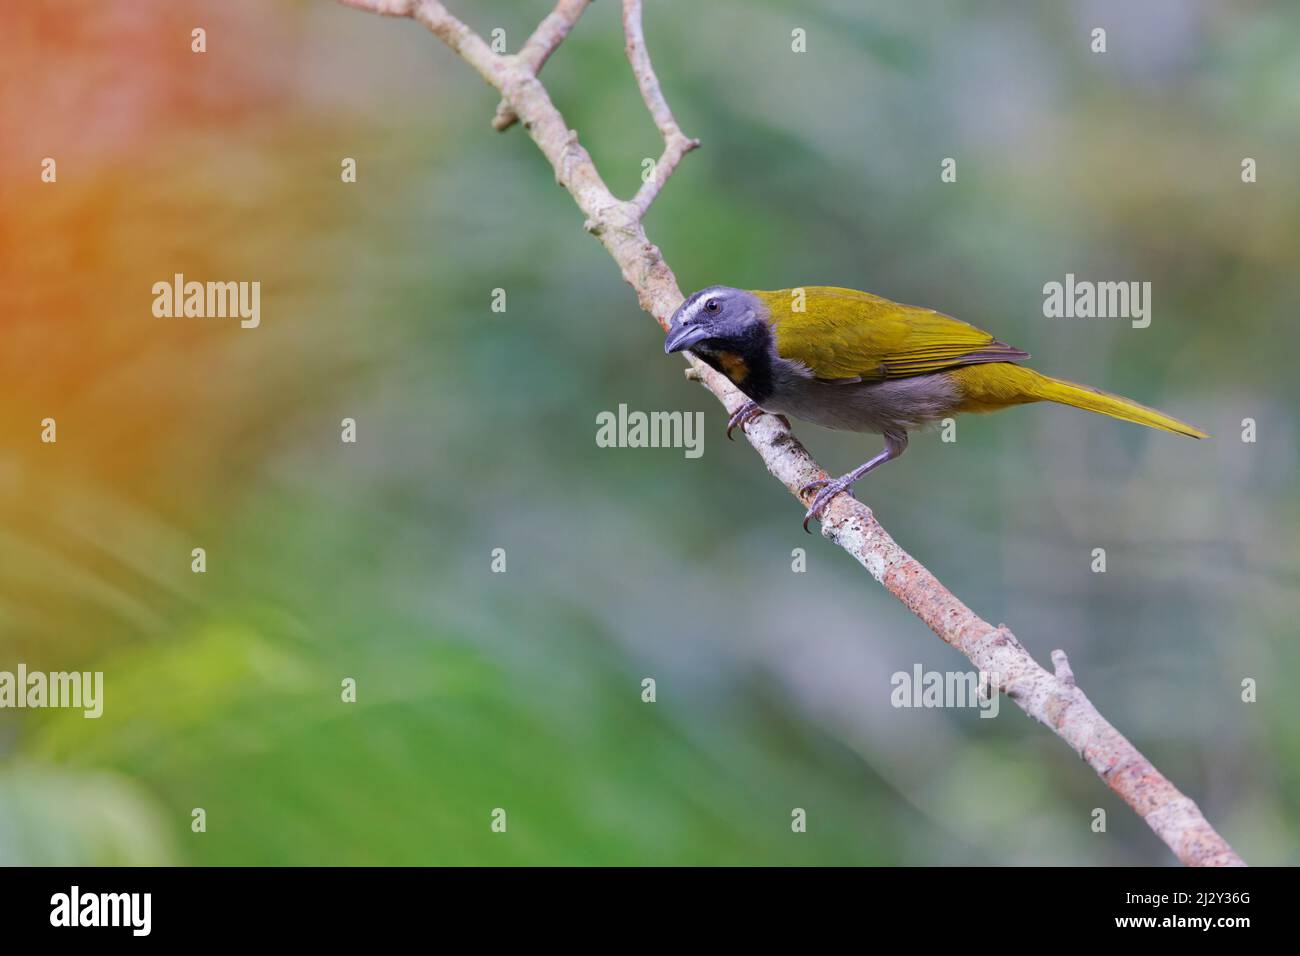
point(694, 308)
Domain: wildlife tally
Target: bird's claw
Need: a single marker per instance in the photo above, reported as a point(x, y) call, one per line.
point(830, 487)
point(743, 414)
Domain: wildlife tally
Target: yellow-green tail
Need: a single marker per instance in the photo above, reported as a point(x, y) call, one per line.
point(987, 388)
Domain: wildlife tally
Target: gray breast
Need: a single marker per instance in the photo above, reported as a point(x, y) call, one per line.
point(894, 405)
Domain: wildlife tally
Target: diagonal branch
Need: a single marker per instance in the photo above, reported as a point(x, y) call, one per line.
point(538, 48)
point(1053, 699)
point(676, 143)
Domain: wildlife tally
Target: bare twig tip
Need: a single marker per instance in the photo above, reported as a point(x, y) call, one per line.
point(1061, 665)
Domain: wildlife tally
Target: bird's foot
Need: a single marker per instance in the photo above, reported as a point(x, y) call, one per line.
point(830, 487)
point(745, 414)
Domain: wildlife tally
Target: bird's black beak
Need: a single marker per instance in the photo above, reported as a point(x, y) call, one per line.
point(683, 337)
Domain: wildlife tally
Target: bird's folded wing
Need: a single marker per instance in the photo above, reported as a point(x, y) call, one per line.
point(843, 334)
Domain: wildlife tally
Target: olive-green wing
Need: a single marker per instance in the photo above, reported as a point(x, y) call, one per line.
point(843, 334)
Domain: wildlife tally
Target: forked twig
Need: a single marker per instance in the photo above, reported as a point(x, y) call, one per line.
point(538, 48)
point(676, 143)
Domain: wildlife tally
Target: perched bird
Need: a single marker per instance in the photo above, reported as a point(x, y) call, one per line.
point(854, 361)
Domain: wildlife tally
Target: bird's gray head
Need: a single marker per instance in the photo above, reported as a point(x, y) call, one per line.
point(728, 330)
point(714, 320)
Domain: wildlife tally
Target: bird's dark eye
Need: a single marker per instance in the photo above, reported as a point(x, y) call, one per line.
point(712, 307)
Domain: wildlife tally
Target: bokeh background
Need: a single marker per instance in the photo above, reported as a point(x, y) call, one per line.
point(477, 431)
